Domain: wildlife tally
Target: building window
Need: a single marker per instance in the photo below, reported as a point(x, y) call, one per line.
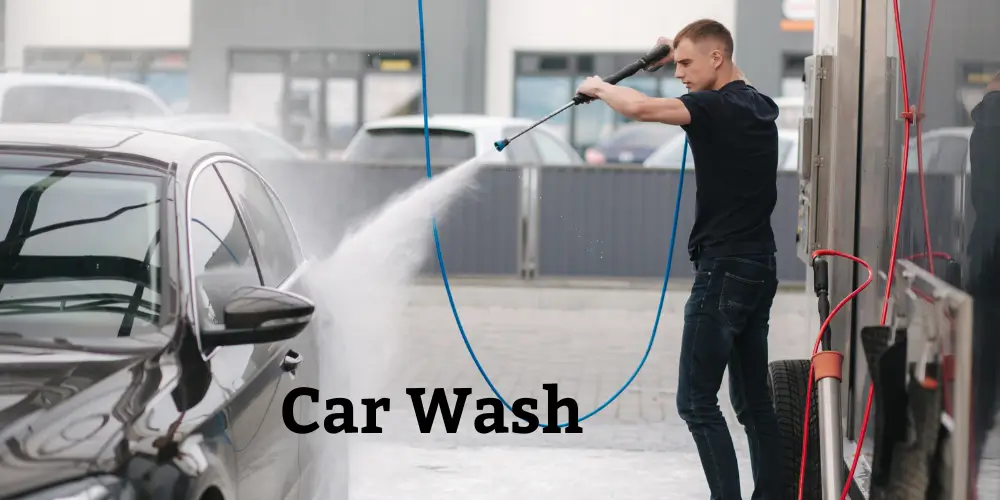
point(317, 99)
point(165, 71)
point(543, 82)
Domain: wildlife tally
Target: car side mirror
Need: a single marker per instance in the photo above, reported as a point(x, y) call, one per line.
point(259, 315)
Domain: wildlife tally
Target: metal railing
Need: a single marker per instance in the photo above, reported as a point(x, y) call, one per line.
point(609, 221)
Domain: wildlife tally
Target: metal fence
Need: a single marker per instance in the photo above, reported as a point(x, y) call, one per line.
point(550, 221)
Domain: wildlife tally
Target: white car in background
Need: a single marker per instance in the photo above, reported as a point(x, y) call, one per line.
point(670, 154)
point(789, 111)
point(456, 138)
point(54, 98)
point(251, 141)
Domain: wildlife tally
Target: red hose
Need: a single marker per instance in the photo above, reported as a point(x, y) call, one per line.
point(911, 115)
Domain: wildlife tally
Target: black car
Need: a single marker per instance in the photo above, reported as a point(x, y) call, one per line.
point(153, 317)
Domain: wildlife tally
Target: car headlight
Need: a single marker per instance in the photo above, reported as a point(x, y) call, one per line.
point(90, 488)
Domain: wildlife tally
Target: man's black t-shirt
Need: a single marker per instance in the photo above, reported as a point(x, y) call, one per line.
point(734, 141)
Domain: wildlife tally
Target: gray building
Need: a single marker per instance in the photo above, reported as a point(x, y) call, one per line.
point(762, 27)
point(316, 69)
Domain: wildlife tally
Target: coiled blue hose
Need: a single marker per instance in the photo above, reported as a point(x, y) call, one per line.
point(444, 273)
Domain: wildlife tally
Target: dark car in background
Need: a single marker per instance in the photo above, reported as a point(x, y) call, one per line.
point(153, 317)
point(631, 143)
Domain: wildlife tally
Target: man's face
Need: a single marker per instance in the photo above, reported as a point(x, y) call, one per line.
point(697, 64)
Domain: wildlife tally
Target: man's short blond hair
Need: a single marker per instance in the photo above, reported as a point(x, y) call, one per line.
point(707, 29)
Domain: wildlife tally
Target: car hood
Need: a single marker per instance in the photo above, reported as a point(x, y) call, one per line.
point(63, 410)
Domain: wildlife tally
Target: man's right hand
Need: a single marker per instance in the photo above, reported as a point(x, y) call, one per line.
point(659, 43)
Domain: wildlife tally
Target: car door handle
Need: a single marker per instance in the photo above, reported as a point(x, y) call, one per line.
point(291, 361)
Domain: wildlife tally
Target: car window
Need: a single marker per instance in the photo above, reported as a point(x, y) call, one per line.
point(81, 251)
point(62, 104)
point(266, 223)
point(407, 145)
point(551, 151)
point(521, 151)
point(248, 142)
point(222, 259)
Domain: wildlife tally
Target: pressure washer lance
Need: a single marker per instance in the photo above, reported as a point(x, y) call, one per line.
point(645, 62)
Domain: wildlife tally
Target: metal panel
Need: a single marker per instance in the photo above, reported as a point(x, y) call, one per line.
point(479, 235)
point(876, 197)
point(818, 103)
point(839, 34)
point(615, 222)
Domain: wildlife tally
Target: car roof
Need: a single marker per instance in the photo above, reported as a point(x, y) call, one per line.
point(171, 123)
point(8, 80)
point(463, 122)
point(174, 153)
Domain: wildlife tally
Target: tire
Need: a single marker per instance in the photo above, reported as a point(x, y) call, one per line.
point(788, 381)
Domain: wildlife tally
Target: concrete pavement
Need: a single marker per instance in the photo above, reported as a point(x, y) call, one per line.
point(588, 341)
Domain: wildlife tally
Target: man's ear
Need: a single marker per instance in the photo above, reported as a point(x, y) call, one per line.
point(716, 58)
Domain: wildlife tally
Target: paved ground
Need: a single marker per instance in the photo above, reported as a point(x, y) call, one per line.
point(588, 341)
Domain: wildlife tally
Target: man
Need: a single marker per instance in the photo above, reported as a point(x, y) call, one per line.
point(983, 275)
point(732, 132)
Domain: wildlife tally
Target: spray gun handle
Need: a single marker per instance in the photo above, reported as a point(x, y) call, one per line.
point(653, 56)
point(644, 62)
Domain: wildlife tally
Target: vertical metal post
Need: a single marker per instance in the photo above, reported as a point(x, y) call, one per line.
point(963, 485)
point(827, 369)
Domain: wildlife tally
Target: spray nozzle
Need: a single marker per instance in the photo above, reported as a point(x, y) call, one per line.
point(501, 144)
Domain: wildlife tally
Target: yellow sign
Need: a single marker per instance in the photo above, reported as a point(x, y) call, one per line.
point(395, 65)
point(979, 78)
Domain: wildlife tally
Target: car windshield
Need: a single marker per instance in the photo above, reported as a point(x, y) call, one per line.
point(407, 145)
point(81, 251)
point(645, 135)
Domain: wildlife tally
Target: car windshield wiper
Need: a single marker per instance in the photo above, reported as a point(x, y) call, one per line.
point(106, 302)
point(13, 240)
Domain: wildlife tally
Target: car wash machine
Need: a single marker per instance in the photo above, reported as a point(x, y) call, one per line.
point(884, 405)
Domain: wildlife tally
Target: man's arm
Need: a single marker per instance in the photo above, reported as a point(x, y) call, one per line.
point(635, 105)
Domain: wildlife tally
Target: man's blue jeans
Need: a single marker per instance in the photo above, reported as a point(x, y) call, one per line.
point(726, 325)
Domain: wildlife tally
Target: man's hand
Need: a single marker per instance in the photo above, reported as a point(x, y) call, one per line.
point(660, 42)
point(591, 86)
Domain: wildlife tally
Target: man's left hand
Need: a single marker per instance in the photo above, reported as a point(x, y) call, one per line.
point(590, 86)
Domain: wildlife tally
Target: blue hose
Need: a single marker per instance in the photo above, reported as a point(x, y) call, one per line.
point(444, 273)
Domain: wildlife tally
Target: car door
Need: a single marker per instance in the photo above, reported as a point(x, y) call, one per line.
point(252, 376)
point(283, 365)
